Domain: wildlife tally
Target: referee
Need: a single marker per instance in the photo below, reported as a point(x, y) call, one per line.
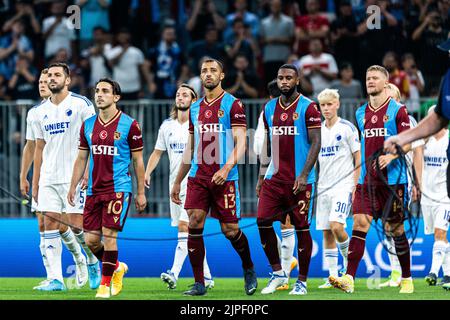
point(432, 123)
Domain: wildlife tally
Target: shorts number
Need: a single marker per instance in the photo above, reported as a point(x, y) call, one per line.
point(302, 205)
point(447, 215)
point(341, 207)
point(112, 207)
point(230, 200)
point(81, 197)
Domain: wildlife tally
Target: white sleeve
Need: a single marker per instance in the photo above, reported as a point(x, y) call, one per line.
point(29, 134)
point(139, 57)
point(353, 140)
point(160, 144)
point(333, 66)
point(113, 52)
point(87, 111)
point(259, 136)
point(37, 129)
point(46, 24)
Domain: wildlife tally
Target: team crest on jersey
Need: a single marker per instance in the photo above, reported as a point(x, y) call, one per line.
point(374, 119)
point(69, 112)
point(116, 135)
point(103, 135)
point(385, 118)
point(295, 116)
point(208, 114)
point(220, 113)
point(231, 189)
point(338, 137)
point(284, 116)
point(118, 195)
point(308, 194)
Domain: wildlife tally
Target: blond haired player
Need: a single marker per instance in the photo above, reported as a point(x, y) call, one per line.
point(339, 161)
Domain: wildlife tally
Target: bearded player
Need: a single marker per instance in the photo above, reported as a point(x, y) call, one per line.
point(378, 119)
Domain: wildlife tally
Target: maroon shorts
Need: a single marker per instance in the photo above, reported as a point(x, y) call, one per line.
point(224, 200)
point(106, 210)
point(373, 200)
point(277, 200)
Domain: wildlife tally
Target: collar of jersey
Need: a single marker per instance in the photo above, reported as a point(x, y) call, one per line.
point(382, 106)
point(105, 124)
point(57, 105)
point(292, 103)
point(210, 103)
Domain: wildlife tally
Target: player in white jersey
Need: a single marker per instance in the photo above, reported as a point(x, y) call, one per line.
point(436, 204)
point(173, 137)
point(56, 127)
point(286, 245)
point(339, 161)
point(414, 157)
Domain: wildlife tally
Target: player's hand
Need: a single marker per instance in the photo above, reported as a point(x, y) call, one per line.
point(148, 179)
point(383, 161)
point(25, 188)
point(258, 186)
point(84, 182)
point(390, 144)
point(71, 196)
point(141, 202)
point(35, 192)
point(175, 194)
point(415, 193)
point(220, 176)
point(300, 184)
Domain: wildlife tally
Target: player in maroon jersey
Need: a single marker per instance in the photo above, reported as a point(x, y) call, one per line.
point(109, 140)
point(217, 140)
point(378, 119)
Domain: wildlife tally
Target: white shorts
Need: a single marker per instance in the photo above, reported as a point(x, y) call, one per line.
point(53, 198)
point(332, 205)
point(435, 217)
point(178, 212)
point(33, 205)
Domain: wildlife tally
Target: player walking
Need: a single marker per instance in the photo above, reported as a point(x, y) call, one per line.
point(292, 124)
point(56, 124)
point(109, 140)
point(217, 140)
point(172, 137)
point(339, 157)
point(379, 118)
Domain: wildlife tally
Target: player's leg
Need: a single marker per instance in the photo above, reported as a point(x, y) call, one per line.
point(288, 261)
point(439, 213)
point(396, 271)
point(341, 203)
point(40, 219)
point(330, 251)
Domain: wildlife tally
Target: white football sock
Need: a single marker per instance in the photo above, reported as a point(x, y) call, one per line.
point(91, 258)
point(43, 255)
point(278, 244)
point(287, 249)
point(393, 259)
point(69, 240)
point(343, 248)
point(206, 271)
point(181, 253)
point(446, 263)
point(53, 251)
point(331, 259)
point(439, 251)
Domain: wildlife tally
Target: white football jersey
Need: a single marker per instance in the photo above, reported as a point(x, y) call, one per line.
point(338, 144)
point(173, 138)
point(59, 125)
point(434, 175)
point(415, 144)
point(31, 117)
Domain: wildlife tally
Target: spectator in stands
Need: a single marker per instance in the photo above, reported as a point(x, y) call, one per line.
point(93, 13)
point(240, 41)
point(431, 32)
point(277, 34)
point(57, 31)
point(24, 12)
point(204, 13)
point(308, 26)
point(167, 63)
point(349, 88)
point(195, 81)
point(248, 18)
point(319, 66)
point(241, 81)
point(128, 64)
point(344, 34)
point(4, 94)
point(94, 58)
point(23, 81)
point(13, 45)
point(396, 76)
point(416, 83)
point(210, 46)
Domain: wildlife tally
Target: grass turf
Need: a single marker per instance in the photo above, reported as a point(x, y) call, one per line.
point(225, 289)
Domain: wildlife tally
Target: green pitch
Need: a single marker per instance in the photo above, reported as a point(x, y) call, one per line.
point(225, 289)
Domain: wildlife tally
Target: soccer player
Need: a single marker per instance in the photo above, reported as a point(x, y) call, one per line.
point(286, 245)
point(56, 124)
point(109, 141)
point(382, 116)
point(339, 162)
point(217, 140)
point(436, 203)
point(414, 157)
point(292, 123)
point(172, 137)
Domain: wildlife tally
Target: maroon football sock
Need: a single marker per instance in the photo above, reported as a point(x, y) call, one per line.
point(108, 266)
point(403, 254)
point(99, 253)
point(270, 246)
point(196, 250)
point(355, 251)
point(240, 244)
point(304, 252)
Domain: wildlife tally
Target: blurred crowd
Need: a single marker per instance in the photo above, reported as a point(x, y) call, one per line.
point(151, 46)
